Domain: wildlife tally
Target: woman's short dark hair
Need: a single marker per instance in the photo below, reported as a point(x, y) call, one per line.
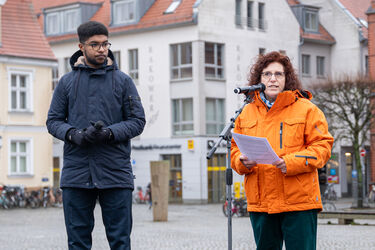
point(89, 29)
point(291, 80)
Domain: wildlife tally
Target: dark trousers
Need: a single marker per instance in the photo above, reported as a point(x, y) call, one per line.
point(297, 229)
point(116, 206)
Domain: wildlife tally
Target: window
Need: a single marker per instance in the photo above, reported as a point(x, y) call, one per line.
point(366, 65)
point(133, 64)
point(238, 13)
point(262, 51)
point(172, 7)
point(311, 21)
point(71, 20)
point(306, 64)
point(67, 67)
point(20, 154)
point(214, 60)
point(320, 66)
point(20, 91)
point(215, 116)
point(183, 116)
point(55, 77)
point(52, 24)
point(262, 22)
point(250, 19)
point(117, 56)
point(182, 67)
point(123, 11)
point(65, 21)
point(283, 52)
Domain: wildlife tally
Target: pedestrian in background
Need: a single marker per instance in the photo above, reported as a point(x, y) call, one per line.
point(96, 110)
point(283, 198)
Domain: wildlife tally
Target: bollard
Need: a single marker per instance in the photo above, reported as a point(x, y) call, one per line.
point(160, 189)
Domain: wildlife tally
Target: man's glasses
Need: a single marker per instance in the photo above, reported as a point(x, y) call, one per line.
point(96, 46)
point(268, 75)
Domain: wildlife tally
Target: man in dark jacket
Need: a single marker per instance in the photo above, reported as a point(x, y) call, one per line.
point(96, 110)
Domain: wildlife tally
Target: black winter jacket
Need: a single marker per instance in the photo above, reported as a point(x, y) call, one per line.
point(88, 94)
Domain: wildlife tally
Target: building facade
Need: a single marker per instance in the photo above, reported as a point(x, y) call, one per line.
point(186, 57)
point(26, 62)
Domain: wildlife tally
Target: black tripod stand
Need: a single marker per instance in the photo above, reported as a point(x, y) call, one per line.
point(226, 135)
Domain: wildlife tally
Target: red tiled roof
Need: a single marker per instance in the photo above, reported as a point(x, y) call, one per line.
point(358, 9)
point(21, 34)
point(154, 17)
point(322, 36)
point(293, 2)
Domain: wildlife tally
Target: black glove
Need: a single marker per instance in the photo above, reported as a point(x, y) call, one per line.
point(76, 136)
point(97, 133)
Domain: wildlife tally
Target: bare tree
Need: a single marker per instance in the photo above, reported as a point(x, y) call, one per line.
point(346, 104)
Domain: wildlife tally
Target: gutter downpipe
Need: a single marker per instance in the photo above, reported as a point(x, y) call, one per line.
point(302, 41)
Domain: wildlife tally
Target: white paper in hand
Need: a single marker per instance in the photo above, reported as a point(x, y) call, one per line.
point(257, 149)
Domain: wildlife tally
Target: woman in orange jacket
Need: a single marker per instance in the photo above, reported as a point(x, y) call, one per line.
point(283, 198)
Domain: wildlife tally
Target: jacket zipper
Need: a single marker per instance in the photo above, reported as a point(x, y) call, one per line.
point(307, 157)
point(281, 135)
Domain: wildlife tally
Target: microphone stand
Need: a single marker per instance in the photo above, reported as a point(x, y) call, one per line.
point(226, 135)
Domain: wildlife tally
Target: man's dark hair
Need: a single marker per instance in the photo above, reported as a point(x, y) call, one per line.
point(89, 29)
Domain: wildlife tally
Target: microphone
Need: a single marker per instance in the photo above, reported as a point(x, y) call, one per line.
point(248, 89)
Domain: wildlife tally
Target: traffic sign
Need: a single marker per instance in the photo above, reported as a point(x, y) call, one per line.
point(362, 152)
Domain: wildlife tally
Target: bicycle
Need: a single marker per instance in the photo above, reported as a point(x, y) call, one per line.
point(239, 207)
point(371, 194)
point(329, 193)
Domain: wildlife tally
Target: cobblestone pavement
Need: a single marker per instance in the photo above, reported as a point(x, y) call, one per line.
point(188, 227)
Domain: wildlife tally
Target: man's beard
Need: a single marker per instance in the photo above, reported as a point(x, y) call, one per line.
point(92, 60)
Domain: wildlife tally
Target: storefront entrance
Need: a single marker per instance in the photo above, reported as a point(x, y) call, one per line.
point(216, 178)
point(175, 177)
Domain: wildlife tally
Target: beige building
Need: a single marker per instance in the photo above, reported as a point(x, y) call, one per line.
point(26, 62)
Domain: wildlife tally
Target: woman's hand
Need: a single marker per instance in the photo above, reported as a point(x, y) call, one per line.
point(280, 165)
point(246, 162)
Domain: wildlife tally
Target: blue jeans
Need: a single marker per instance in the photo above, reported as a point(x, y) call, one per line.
point(116, 205)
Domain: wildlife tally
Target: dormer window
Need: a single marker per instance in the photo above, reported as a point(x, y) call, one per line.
point(66, 18)
point(64, 21)
point(311, 21)
point(123, 11)
point(173, 6)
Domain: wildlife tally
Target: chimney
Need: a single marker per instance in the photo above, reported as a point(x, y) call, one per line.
point(371, 64)
point(2, 2)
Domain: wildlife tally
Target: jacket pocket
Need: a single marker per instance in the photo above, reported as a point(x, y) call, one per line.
point(248, 127)
point(297, 188)
point(293, 132)
point(252, 187)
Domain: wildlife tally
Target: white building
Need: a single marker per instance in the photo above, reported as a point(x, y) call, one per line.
point(186, 57)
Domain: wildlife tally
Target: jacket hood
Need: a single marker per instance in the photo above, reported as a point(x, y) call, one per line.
point(78, 60)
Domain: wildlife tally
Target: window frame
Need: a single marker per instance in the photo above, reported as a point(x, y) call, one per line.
point(133, 67)
point(29, 74)
point(261, 12)
point(238, 13)
point(115, 19)
point(62, 20)
point(250, 21)
point(215, 64)
point(219, 125)
point(180, 123)
point(28, 154)
point(310, 13)
point(320, 66)
point(181, 66)
point(303, 66)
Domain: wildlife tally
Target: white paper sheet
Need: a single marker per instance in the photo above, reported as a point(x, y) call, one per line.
point(256, 148)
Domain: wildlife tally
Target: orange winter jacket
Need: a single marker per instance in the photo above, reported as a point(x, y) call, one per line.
point(298, 132)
